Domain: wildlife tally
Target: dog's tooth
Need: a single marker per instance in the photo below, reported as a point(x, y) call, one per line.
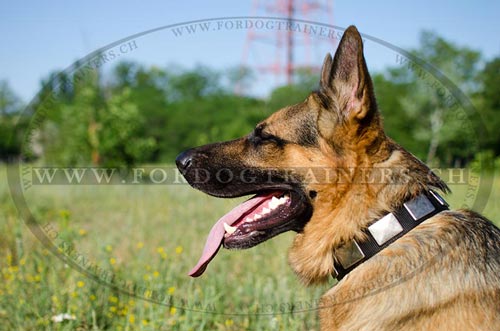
point(274, 203)
point(229, 229)
point(248, 219)
point(266, 211)
point(257, 217)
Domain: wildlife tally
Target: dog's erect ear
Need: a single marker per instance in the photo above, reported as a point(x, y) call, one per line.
point(346, 79)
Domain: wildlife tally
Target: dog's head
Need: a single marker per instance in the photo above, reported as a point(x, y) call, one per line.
point(309, 167)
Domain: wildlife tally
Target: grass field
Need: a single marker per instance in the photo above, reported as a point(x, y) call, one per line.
point(149, 237)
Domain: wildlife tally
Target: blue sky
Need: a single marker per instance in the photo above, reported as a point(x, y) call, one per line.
point(38, 37)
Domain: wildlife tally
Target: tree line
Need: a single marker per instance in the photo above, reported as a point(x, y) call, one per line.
point(135, 114)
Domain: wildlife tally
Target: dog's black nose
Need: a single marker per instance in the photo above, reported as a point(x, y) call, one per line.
point(184, 160)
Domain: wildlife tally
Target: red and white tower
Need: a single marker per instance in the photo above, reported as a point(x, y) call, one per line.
point(279, 52)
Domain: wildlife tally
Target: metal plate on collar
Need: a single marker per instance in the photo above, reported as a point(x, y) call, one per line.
point(385, 229)
point(349, 254)
point(419, 207)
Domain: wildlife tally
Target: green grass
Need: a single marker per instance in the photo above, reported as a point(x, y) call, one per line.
point(149, 236)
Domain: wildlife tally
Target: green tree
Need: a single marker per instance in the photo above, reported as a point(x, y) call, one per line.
point(193, 84)
point(430, 108)
point(488, 99)
point(9, 101)
point(148, 92)
point(12, 123)
point(94, 124)
point(399, 124)
point(120, 141)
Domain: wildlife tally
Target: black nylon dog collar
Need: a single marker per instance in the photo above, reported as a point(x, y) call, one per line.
point(387, 230)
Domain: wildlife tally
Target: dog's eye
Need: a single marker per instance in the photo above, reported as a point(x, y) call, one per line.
point(258, 137)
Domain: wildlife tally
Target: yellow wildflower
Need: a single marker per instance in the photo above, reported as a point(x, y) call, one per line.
point(64, 213)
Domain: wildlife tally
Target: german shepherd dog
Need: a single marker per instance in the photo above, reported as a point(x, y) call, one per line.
point(364, 209)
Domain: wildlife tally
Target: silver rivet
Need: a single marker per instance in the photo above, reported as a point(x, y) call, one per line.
point(419, 207)
point(385, 228)
point(349, 254)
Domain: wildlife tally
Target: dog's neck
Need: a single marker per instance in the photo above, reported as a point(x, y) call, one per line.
point(352, 209)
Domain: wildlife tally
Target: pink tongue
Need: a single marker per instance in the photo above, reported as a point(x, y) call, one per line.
point(216, 235)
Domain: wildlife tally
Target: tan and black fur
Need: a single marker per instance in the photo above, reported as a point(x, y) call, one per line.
point(442, 275)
